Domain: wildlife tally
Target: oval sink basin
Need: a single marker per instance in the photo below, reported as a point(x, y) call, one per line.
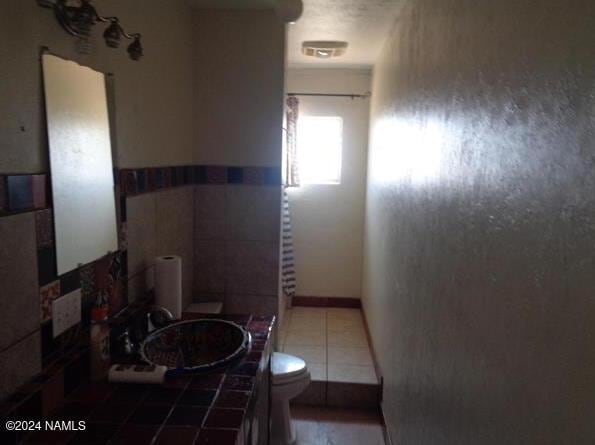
point(196, 345)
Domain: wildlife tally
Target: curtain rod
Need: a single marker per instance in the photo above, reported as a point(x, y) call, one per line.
point(352, 96)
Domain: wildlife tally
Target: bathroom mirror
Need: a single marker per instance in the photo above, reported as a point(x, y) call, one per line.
point(81, 167)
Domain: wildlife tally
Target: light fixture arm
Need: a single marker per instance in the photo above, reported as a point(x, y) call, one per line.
point(78, 20)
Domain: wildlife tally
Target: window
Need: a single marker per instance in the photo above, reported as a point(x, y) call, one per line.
point(319, 151)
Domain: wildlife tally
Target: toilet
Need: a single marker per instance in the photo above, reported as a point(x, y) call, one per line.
point(289, 378)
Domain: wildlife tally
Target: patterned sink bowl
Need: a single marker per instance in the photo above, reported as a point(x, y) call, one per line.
point(196, 345)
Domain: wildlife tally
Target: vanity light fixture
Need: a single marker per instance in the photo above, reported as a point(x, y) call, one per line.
point(77, 17)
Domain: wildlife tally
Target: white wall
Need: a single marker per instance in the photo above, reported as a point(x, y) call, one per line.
point(328, 219)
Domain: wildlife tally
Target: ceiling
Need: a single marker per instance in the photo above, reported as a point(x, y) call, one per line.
point(364, 24)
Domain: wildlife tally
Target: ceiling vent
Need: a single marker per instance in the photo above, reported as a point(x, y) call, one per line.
point(324, 49)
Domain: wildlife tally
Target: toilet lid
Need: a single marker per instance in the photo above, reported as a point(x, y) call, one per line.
point(285, 367)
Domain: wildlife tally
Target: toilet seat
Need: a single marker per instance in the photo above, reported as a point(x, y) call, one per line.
point(286, 369)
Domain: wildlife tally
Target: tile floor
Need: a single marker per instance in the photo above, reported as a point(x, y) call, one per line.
point(336, 426)
point(332, 341)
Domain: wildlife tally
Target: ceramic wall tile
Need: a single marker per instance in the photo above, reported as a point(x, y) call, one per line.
point(140, 284)
point(253, 213)
point(216, 174)
point(142, 234)
point(3, 198)
point(20, 192)
point(47, 294)
point(19, 298)
point(253, 176)
point(252, 267)
point(174, 229)
point(39, 188)
point(209, 212)
point(19, 363)
point(44, 227)
point(235, 175)
point(250, 304)
point(209, 266)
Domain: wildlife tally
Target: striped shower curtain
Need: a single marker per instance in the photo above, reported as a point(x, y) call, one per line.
point(291, 180)
point(287, 259)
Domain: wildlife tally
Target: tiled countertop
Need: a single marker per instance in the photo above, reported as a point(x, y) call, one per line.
point(202, 409)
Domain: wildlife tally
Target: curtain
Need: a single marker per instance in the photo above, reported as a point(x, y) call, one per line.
point(288, 280)
point(292, 178)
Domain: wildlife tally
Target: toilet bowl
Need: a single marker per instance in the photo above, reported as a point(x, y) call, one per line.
point(289, 378)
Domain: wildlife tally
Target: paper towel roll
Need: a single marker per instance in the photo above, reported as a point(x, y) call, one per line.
point(168, 283)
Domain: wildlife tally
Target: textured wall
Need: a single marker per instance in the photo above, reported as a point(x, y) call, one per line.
point(239, 61)
point(328, 219)
point(479, 276)
point(152, 97)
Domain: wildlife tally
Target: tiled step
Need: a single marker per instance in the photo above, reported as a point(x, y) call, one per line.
point(334, 345)
point(340, 394)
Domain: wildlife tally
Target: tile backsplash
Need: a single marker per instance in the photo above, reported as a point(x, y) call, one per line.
point(220, 220)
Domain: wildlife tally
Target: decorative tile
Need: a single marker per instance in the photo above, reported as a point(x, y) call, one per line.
point(253, 176)
point(233, 399)
point(117, 283)
point(235, 175)
point(168, 177)
point(52, 394)
point(218, 437)
point(69, 282)
point(159, 178)
point(49, 347)
point(39, 185)
point(272, 176)
point(128, 182)
point(3, 203)
point(123, 236)
point(101, 273)
point(151, 179)
point(149, 414)
point(181, 175)
point(135, 435)
point(46, 265)
point(216, 175)
point(209, 381)
point(112, 412)
point(159, 394)
point(47, 294)
point(197, 397)
point(95, 433)
point(188, 174)
point(187, 415)
point(245, 369)
point(176, 175)
point(200, 174)
point(176, 435)
point(123, 209)
point(44, 228)
point(20, 192)
point(224, 418)
point(141, 180)
point(129, 394)
point(88, 291)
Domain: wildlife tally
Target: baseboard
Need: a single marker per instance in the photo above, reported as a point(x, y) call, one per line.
point(338, 302)
point(373, 352)
point(387, 439)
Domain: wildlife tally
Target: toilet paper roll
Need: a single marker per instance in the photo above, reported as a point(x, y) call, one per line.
point(168, 283)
